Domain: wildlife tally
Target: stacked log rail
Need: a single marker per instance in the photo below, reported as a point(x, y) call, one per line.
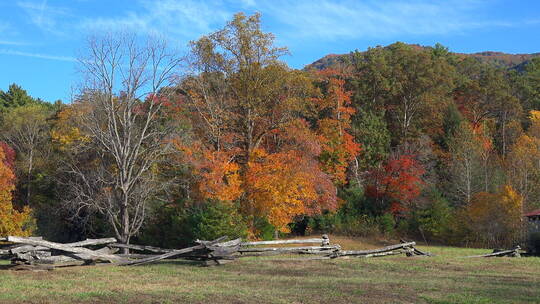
point(36, 253)
point(323, 247)
point(514, 252)
point(404, 248)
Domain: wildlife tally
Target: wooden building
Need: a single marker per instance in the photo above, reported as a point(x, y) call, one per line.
point(533, 221)
point(533, 231)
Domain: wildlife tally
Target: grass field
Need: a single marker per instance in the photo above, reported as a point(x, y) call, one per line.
point(446, 278)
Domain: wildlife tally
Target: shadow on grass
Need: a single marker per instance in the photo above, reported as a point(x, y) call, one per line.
point(173, 262)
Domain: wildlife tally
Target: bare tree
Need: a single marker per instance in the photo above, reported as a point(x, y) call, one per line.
point(126, 132)
point(465, 167)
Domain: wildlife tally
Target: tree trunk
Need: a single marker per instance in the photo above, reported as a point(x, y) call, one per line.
point(29, 179)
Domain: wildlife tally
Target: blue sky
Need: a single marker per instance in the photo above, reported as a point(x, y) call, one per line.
point(40, 39)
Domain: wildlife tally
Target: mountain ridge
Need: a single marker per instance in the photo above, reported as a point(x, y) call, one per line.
point(500, 59)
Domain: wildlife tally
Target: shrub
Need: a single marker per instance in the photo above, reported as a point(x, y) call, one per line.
point(264, 230)
point(386, 223)
point(180, 224)
point(361, 226)
point(431, 219)
point(216, 219)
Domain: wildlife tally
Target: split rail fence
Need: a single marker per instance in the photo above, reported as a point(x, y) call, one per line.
point(34, 253)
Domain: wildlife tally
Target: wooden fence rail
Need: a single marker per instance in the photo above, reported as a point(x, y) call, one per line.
point(36, 253)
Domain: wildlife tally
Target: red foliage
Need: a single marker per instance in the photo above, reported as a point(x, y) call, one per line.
point(399, 182)
point(9, 155)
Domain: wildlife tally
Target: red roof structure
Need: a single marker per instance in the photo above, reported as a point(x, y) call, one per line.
point(533, 213)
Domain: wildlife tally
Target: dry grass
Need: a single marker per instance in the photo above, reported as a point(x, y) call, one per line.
point(446, 278)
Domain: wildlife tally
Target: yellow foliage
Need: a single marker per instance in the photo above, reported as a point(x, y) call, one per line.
point(535, 116)
point(496, 218)
point(277, 188)
point(12, 222)
point(66, 132)
point(526, 152)
point(524, 166)
point(534, 129)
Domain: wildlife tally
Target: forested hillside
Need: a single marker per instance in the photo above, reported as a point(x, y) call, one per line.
point(399, 140)
point(498, 59)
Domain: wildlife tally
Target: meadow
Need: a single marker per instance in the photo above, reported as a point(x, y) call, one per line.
point(445, 278)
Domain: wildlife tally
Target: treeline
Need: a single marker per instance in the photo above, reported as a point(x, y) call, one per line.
point(399, 140)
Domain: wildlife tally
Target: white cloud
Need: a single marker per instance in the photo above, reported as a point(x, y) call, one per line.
point(43, 15)
point(37, 55)
point(175, 19)
point(248, 3)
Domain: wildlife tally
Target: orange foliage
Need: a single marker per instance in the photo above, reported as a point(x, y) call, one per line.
point(278, 187)
point(12, 222)
point(221, 177)
point(256, 150)
point(338, 145)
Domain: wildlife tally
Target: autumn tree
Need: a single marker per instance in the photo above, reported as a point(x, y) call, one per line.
point(496, 219)
point(396, 184)
point(483, 92)
point(111, 167)
point(257, 135)
point(333, 121)
point(524, 162)
point(12, 221)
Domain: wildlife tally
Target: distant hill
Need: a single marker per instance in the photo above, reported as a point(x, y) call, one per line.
point(510, 61)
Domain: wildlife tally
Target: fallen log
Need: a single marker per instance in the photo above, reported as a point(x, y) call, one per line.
point(171, 254)
point(91, 253)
